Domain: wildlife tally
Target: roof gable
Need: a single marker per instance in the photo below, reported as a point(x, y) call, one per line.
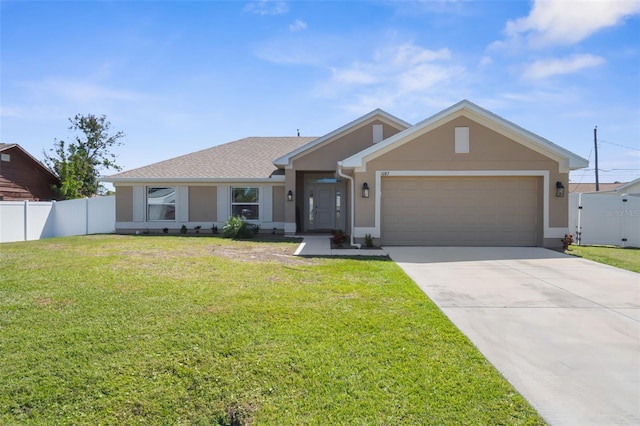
point(568, 160)
point(632, 187)
point(9, 146)
point(377, 114)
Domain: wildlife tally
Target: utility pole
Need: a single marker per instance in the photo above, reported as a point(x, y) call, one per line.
point(595, 144)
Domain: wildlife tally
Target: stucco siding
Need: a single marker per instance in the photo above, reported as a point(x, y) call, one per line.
point(326, 156)
point(203, 203)
point(488, 150)
point(124, 204)
point(278, 203)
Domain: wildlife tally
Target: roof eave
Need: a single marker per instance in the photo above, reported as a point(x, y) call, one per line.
point(271, 179)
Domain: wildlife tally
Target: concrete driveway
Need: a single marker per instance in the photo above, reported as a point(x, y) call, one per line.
point(564, 331)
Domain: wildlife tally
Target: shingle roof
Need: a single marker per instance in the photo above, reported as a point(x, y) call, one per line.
point(591, 187)
point(248, 158)
point(4, 146)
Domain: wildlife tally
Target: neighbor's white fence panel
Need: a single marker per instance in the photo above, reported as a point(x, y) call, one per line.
point(40, 219)
point(71, 217)
point(12, 215)
point(102, 215)
point(608, 220)
point(21, 221)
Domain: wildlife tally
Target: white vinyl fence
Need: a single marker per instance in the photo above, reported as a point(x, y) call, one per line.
point(605, 219)
point(25, 220)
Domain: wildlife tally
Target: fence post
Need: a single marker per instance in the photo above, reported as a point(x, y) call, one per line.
point(26, 219)
point(86, 215)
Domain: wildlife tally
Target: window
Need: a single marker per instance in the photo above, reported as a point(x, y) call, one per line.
point(245, 203)
point(161, 203)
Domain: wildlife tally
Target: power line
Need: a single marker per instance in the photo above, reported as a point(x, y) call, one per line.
point(621, 146)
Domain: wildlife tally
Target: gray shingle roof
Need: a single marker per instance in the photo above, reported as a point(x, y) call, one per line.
point(248, 158)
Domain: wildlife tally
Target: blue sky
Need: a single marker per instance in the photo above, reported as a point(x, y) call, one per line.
point(177, 77)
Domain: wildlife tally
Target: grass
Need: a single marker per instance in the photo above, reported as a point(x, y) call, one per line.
point(171, 330)
point(625, 258)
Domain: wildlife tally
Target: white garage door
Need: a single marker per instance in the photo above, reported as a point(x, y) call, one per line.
point(461, 211)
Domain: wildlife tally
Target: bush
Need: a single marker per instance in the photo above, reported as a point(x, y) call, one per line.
point(368, 241)
point(183, 229)
point(338, 237)
point(237, 228)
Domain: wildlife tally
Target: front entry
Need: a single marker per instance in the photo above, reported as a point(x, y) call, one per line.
point(323, 204)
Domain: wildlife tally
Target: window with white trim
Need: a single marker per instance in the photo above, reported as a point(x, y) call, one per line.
point(245, 203)
point(161, 203)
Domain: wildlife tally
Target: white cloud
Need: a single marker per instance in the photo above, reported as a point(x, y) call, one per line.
point(403, 73)
point(81, 91)
point(267, 7)
point(485, 61)
point(560, 22)
point(548, 67)
point(352, 76)
point(298, 25)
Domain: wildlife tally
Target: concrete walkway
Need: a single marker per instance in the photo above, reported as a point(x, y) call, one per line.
point(320, 245)
point(564, 331)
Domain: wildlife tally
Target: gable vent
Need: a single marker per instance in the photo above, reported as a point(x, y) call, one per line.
point(377, 133)
point(462, 140)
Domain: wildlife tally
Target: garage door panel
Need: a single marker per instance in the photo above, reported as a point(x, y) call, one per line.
point(472, 211)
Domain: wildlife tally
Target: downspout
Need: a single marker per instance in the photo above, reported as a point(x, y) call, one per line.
point(352, 203)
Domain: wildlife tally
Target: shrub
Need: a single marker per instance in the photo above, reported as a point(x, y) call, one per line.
point(237, 228)
point(183, 229)
point(197, 229)
point(165, 230)
point(338, 237)
point(214, 229)
point(368, 240)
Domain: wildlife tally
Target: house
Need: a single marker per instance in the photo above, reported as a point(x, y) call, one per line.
point(22, 177)
point(619, 189)
point(463, 176)
point(591, 187)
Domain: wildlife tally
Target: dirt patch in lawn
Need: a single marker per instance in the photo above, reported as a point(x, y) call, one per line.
point(267, 252)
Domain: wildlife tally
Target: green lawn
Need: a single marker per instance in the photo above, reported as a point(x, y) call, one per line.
point(175, 330)
point(625, 258)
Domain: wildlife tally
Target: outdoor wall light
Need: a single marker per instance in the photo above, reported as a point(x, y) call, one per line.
point(365, 190)
point(290, 195)
point(559, 189)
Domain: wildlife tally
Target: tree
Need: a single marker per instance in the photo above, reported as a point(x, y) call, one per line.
point(78, 164)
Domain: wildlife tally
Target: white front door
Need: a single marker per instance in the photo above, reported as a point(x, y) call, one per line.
point(320, 211)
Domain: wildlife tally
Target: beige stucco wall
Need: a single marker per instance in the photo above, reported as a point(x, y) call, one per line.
point(326, 157)
point(435, 150)
point(124, 204)
point(202, 203)
point(279, 200)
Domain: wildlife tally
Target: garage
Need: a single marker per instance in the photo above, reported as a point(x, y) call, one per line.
point(461, 211)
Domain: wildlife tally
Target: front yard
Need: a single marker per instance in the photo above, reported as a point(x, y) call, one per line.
point(175, 330)
point(625, 258)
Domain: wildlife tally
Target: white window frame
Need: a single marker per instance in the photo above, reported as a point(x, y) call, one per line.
point(174, 203)
point(247, 203)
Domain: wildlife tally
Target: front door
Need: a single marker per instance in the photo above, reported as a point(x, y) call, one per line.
point(321, 207)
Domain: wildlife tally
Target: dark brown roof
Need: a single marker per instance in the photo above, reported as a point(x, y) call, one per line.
point(248, 158)
point(591, 187)
point(4, 146)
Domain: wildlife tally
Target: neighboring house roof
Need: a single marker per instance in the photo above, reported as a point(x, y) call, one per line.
point(8, 146)
point(591, 187)
point(631, 188)
point(379, 114)
point(245, 159)
point(567, 159)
